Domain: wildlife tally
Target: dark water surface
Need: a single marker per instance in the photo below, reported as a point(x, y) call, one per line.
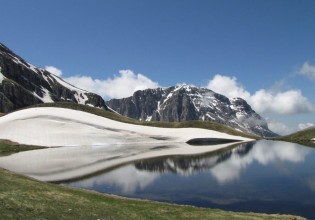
point(263, 176)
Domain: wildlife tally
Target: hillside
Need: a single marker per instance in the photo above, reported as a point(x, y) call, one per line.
point(9, 147)
point(305, 137)
point(49, 126)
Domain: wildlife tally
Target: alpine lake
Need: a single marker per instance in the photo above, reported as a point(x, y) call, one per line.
point(263, 176)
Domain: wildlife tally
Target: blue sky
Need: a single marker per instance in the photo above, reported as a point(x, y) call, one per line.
point(256, 48)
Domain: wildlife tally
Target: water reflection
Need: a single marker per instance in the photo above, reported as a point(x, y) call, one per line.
point(227, 166)
point(266, 152)
point(264, 176)
point(128, 179)
point(311, 183)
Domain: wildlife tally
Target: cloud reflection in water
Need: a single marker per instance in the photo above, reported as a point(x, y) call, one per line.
point(224, 167)
point(127, 178)
point(264, 152)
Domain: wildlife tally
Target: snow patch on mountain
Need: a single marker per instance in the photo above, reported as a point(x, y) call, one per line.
point(67, 85)
point(80, 95)
point(2, 77)
point(46, 96)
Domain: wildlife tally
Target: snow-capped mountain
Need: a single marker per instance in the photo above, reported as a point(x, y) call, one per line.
point(185, 103)
point(22, 84)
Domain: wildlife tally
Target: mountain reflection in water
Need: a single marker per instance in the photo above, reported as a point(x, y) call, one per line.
point(263, 176)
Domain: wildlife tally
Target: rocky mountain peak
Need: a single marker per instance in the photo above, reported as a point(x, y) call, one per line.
point(184, 103)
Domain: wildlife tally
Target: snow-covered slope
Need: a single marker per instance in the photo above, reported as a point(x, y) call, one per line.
point(22, 84)
point(65, 127)
point(185, 103)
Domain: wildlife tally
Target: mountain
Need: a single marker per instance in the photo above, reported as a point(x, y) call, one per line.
point(22, 84)
point(185, 103)
point(187, 165)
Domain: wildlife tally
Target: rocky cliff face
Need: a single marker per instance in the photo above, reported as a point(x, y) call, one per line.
point(22, 84)
point(183, 103)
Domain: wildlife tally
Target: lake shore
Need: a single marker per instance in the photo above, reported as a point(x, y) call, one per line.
point(25, 198)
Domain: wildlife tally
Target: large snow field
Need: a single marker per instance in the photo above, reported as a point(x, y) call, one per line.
point(80, 143)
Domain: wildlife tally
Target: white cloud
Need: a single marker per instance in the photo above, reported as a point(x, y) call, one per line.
point(263, 101)
point(279, 127)
point(288, 102)
point(308, 70)
point(303, 126)
point(228, 86)
point(123, 85)
point(54, 70)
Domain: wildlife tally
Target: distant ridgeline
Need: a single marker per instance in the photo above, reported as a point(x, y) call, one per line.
point(22, 84)
point(186, 103)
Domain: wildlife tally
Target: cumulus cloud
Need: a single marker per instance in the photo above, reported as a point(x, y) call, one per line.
point(308, 70)
point(54, 70)
point(228, 86)
point(303, 126)
point(288, 102)
point(123, 85)
point(263, 101)
point(279, 127)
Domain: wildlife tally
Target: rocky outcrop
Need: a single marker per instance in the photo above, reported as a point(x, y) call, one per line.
point(185, 103)
point(22, 84)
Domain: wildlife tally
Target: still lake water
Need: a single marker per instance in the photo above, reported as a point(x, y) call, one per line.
point(263, 176)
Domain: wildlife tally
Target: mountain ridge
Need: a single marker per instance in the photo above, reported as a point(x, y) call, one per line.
point(23, 84)
point(185, 103)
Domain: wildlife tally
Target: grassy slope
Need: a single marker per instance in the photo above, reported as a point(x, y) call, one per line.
point(301, 137)
point(24, 198)
point(114, 116)
point(9, 147)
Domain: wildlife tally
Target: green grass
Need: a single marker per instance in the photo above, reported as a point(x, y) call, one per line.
point(24, 198)
point(9, 147)
point(302, 137)
point(192, 124)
